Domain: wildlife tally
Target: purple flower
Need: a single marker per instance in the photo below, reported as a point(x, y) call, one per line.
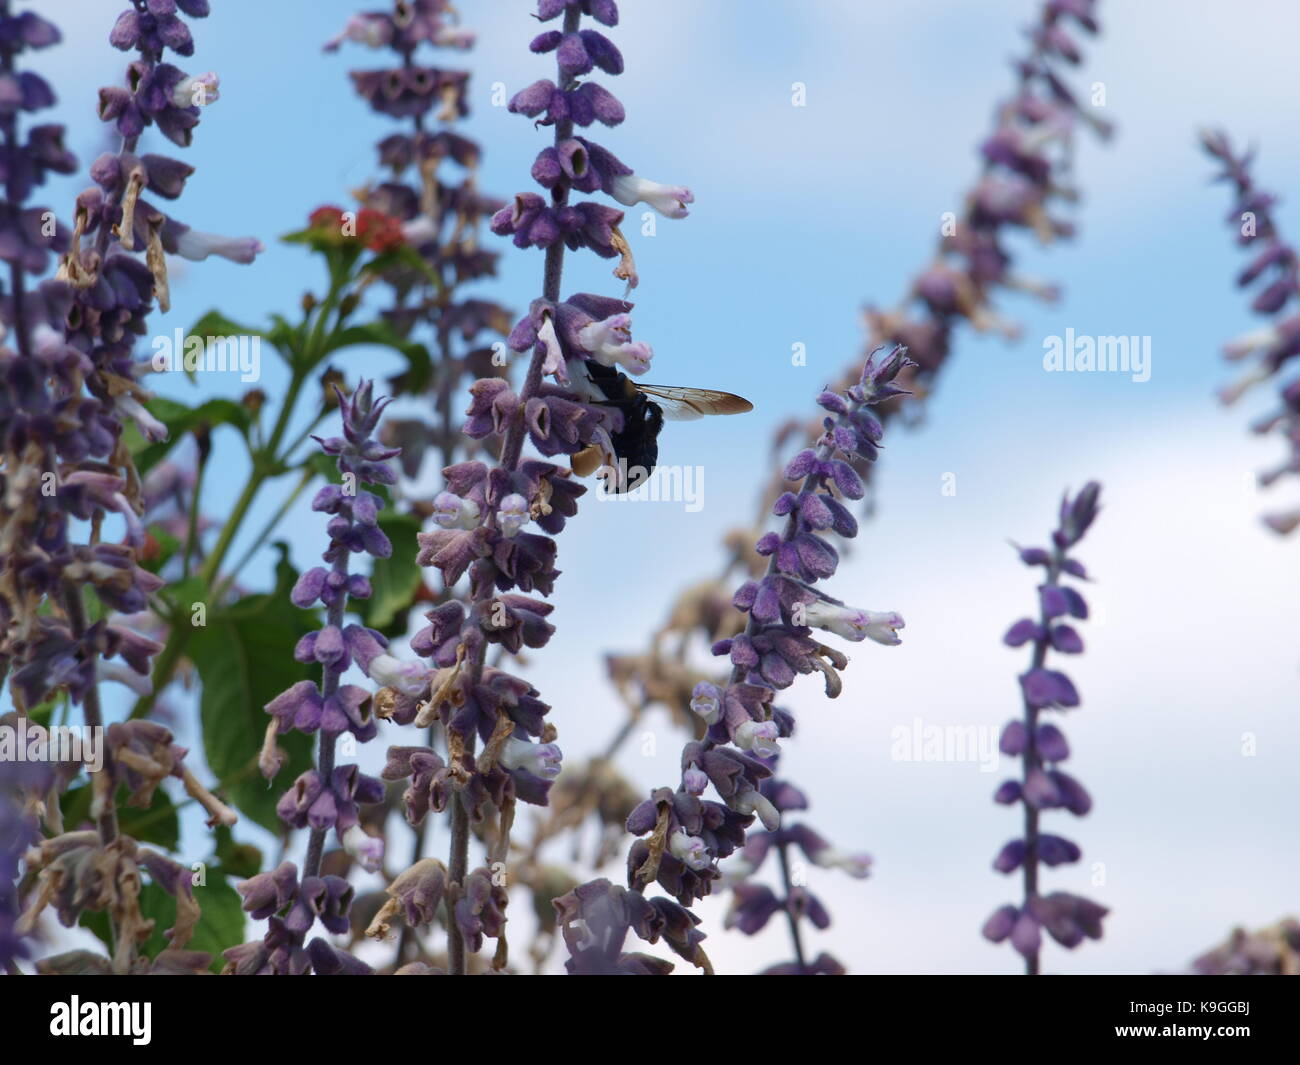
point(68, 388)
point(292, 905)
point(1040, 745)
point(327, 797)
point(1269, 951)
point(1271, 349)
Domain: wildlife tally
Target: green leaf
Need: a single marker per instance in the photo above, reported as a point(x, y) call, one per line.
point(245, 659)
point(323, 465)
point(282, 336)
point(167, 546)
point(240, 860)
point(285, 575)
point(404, 256)
point(418, 361)
point(216, 324)
point(157, 825)
point(394, 580)
point(180, 597)
point(341, 253)
point(97, 922)
point(181, 419)
point(221, 925)
point(43, 713)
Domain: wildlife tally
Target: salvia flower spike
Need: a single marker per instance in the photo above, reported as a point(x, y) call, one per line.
point(327, 797)
point(486, 512)
point(1042, 747)
point(68, 387)
point(1270, 350)
point(686, 834)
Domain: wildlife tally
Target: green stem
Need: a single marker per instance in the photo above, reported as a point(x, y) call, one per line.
point(266, 463)
point(192, 529)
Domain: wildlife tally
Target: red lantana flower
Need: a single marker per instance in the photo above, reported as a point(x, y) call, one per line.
point(377, 231)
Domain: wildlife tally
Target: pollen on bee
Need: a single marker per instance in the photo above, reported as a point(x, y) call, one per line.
point(587, 461)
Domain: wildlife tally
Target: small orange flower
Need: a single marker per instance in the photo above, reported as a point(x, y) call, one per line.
point(328, 217)
point(379, 231)
point(376, 230)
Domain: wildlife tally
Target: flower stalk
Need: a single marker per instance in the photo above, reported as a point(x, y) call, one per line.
point(1041, 747)
point(1271, 349)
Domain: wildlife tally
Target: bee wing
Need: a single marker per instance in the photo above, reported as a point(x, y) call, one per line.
point(684, 404)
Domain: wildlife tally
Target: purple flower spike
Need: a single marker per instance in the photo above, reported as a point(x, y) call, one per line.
point(326, 798)
point(1272, 348)
point(1041, 745)
point(741, 744)
point(494, 524)
point(69, 389)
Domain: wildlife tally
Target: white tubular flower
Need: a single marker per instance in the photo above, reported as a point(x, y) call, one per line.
point(135, 533)
point(735, 870)
point(123, 674)
point(150, 427)
point(668, 200)
point(856, 865)
point(854, 624)
point(450, 511)
point(604, 338)
point(197, 91)
point(846, 621)
point(419, 230)
point(409, 678)
point(695, 780)
point(1247, 343)
point(513, 515)
point(46, 340)
point(580, 382)
point(453, 37)
point(1229, 394)
point(754, 802)
point(883, 627)
point(610, 343)
point(690, 850)
point(706, 701)
point(374, 31)
point(196, 246)
point(757, 736)
point(554, 363)
point(635, 357)
point(366, 850)
point(540, 759)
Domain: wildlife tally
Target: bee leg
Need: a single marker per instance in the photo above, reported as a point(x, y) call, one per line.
point(588, 460)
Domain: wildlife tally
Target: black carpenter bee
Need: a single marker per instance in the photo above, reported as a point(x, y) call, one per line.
point(644, 408)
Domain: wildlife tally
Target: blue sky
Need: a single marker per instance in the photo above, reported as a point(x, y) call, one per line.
point(802, 216)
